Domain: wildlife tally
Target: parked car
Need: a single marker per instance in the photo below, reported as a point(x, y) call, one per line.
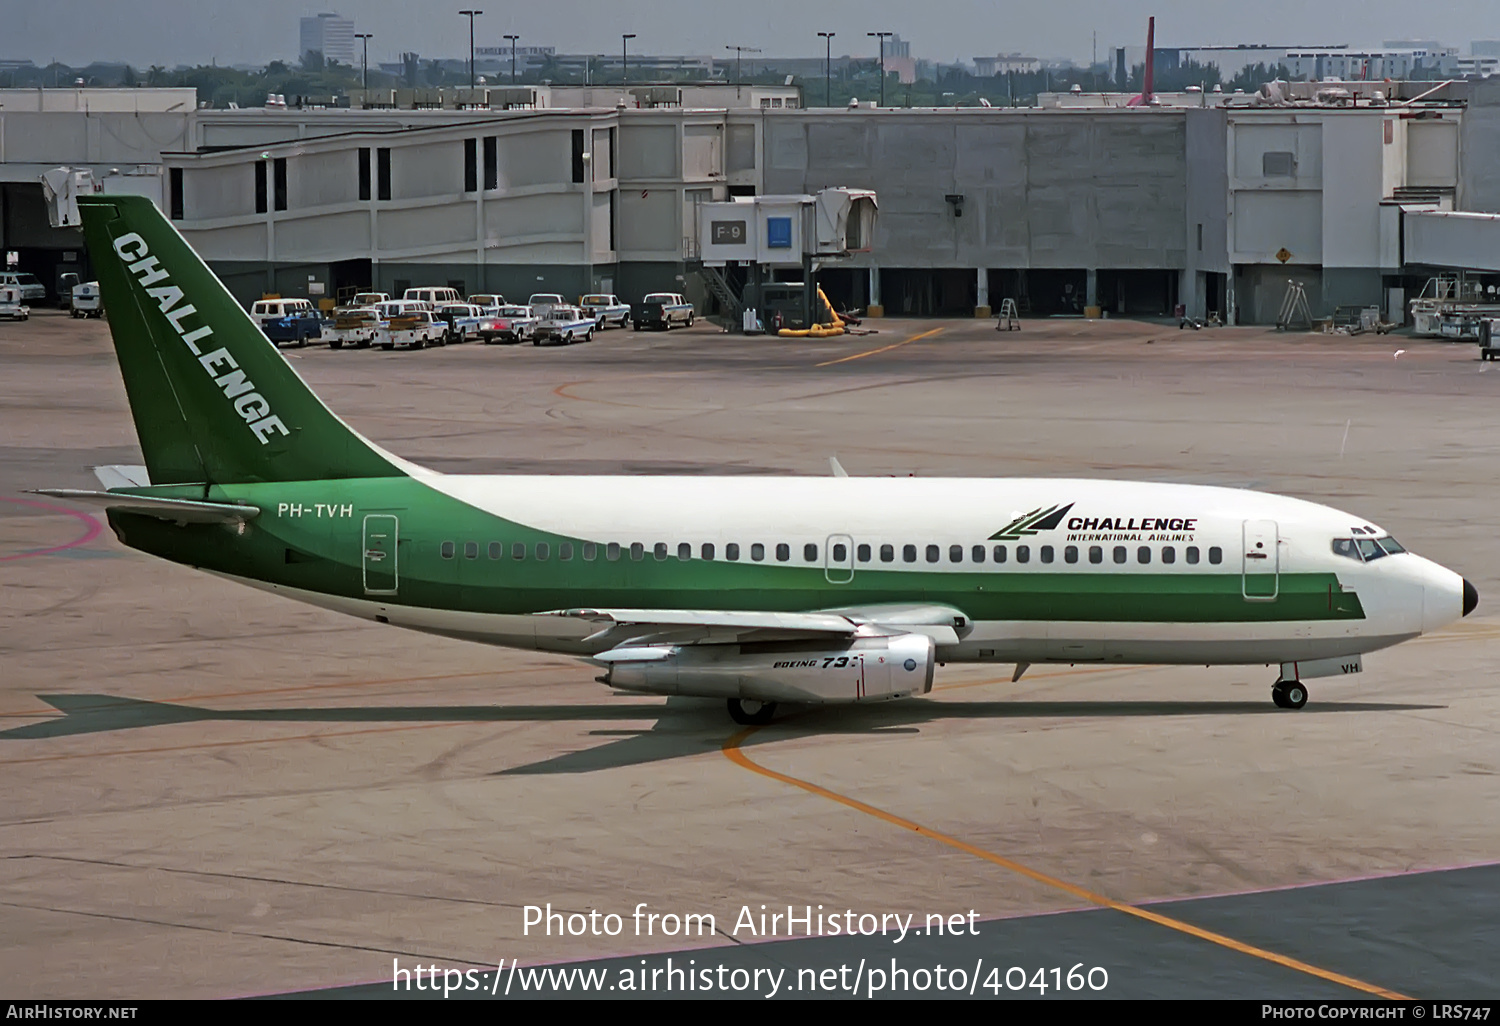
point(288, 320)
point(541, 303)
point(464, 321)
point(607, 309)
point(511, 324)
point(368, 299)
point(353, 326)
point(662, 310)
point(489, 302)
point(11, 305)
point(564, 325)
point(411, 329)
point(433, 297)
point(30, 286)
point(86, 301)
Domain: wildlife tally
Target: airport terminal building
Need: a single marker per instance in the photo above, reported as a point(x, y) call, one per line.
point(1127, 211)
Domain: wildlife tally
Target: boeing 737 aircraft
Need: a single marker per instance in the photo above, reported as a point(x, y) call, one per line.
point(754, 590)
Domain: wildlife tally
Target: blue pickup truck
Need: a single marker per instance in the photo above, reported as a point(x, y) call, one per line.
point(288, 321)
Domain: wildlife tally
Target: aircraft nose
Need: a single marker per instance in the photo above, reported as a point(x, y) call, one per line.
point(1471, 597)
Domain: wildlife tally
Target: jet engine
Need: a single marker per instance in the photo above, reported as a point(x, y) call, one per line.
point(860, 670)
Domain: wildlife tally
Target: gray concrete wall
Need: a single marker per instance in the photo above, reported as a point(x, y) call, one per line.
point(1074, 189)
point(1479, 148)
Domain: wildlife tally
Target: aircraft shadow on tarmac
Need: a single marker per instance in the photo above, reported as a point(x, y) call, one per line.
point(682, 727)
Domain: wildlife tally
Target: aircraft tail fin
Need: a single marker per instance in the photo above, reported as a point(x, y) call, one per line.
point(213, 400)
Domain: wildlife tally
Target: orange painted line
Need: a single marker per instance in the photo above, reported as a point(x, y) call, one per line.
point(732, 751)
point(882, 349)
point(234, 744)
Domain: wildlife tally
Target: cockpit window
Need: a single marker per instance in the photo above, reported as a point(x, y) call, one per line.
point(1345, 547)
point(1368, 549)
point(1390, 545)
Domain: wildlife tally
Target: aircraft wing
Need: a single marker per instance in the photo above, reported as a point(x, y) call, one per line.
point(183, 511)
point(636, 627)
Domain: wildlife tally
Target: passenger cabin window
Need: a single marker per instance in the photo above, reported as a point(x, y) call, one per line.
point(1046, 553)
point(1096, 554)
point(1143, 554)
point(1191, 553)
point(471, 550)
point(810, 553)
point(1215, 554)
point(612, 551)
point(933, 553)
point(497, 550)
point(707, 552)
point(887, 553)
point(518, 550)
point(684, 551)
point(543, 550)
point(732, 551)
point(1120, 554)
point(590, 551)
point(999, 553)
point(659, 550)
point(757, 551)
point(1168, 554)
point(977, 554)
point(1070, 554)
point(446, 550)
point(637, 551)
point(955, 553)
point(909, 553)
point(863, 552)
point(1023, 553)
point(783, 552)
point(565, 551)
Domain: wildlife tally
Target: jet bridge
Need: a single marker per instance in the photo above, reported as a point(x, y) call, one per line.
point(763, 234)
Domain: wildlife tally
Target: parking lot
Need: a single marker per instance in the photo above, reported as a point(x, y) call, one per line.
point(215, 792)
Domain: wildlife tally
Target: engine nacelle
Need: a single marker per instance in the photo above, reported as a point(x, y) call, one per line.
point(861, 670)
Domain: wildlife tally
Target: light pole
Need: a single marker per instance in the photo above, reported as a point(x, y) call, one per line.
point(365, 77)
point(625, 38)
point(738, 51)
point(882, 36)
point(827, 68)
point(512, 58)
point(471, 15)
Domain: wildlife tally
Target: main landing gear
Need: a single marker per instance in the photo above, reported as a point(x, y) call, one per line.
point(1289, 694)
point(748, 712)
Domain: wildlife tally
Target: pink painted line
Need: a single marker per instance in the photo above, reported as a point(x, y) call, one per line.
point(93, 528)
point(985, 919)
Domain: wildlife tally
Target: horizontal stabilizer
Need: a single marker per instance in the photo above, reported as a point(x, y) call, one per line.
point(121, 476)
point(183, 511)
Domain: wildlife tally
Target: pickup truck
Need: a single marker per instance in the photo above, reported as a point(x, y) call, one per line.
point(564, 324)
point(662, 310)
point(511, 324)
point(464, 321)
point(606, 309)
point(288, 320)
point(541, 303)
point(407, 324)
point(353, 326)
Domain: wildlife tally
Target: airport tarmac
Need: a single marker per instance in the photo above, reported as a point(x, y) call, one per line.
point(214, 792)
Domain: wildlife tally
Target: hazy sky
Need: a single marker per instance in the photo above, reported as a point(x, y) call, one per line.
point(170, 32)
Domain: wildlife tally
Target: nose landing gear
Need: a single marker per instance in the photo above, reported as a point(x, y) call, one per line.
point(1289, 694)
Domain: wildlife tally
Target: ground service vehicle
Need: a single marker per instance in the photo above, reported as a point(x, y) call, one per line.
point(514, 323)
point(464, 321)
point(607, 309)
point(541, 303)
point(11, 306)
point(288, 320)
point(564, 325)
point(32, 289)
point(662, 310)
point(433, 297)
point(86, 301)
point(489, 302)
point(353, 326)
point(407, 324)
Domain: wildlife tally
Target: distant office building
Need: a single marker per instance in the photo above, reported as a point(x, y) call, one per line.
point(1485, 48)
point(1006, 63)
point(329, 34)
point(895, 46)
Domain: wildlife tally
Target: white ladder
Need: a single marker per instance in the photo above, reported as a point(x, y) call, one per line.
point(1009, 319)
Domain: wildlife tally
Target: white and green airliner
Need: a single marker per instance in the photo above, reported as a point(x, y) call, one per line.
point(755, 590)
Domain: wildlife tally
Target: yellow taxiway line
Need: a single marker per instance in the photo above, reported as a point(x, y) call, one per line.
point(882, 349)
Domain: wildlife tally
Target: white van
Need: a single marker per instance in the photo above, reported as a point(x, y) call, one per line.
point(433, 297)
point(11, 305)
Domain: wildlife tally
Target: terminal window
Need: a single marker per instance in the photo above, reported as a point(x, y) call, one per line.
point(364, 172)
